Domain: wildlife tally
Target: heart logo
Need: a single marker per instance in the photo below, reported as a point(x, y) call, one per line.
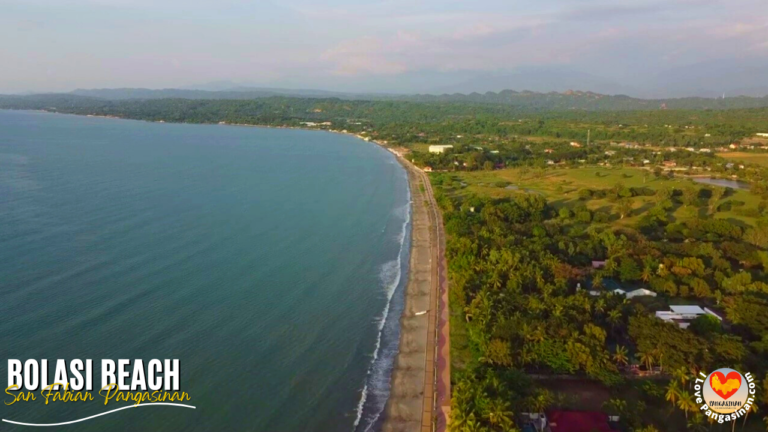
point(725, 386)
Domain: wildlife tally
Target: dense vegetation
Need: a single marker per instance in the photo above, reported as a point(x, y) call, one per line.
point(405, 122)
point(517, 263)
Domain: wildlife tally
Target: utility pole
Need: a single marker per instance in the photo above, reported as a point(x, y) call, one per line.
point(589, 132)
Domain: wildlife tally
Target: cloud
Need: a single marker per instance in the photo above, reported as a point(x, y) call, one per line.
point(122, 42)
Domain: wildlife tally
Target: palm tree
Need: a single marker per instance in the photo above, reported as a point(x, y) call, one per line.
point(686, 403)
point(646, 276)
point(673, 392)
point(498, 413)
point(615, 406)
point(681, 375)
point(597, 281)
point(696, 423)
point(752, 408)
point(540, 401)
point(620, 356)
point(658, 354)
point(614, 316)
point(646, 358)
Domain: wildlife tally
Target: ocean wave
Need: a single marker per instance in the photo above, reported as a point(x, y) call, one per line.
point(375, 391)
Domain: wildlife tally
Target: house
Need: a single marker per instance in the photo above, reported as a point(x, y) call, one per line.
point(575, 144)
point(550, 162)
point(669, 164)
point(682, 315)
point(610, 153)
point(762, 134)
point(578, 421)
point(439, 148)
point(690, 149)
point(427, 169)
point(729, 165)
point(548, 151)
point(640, 292)
point(705, 150)
point(646, 161)
point(733, 146)
point(598, 264)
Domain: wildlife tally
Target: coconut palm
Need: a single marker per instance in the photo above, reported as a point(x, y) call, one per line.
point(673, 392)
point(539, 402)
point(620, 355)
point(498, 413)
point(696, 423)
point(658, 354)
point(647, 273)
point(686, 403)
point(597, 281)
point(646, 358)
point(614, 317)
point(752, 408)
point(681, 374)
point(615, 406)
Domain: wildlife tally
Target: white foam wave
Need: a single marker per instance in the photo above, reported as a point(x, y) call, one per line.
point(390, 275)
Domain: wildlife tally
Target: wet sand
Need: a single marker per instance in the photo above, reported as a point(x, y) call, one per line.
point(411, 398)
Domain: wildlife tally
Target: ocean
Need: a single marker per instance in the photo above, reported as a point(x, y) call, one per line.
point(270, 262)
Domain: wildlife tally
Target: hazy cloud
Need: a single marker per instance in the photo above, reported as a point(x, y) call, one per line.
point(64, 44)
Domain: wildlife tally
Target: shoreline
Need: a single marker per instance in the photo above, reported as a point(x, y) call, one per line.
point(419, 397)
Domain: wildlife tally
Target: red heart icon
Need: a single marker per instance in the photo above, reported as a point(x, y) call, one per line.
point(725, 386)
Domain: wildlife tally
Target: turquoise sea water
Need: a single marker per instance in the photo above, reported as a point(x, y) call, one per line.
point(263, 259)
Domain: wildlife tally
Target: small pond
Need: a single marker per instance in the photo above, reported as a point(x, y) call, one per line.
point(734, 184)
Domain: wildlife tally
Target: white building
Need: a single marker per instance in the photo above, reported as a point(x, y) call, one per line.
point(764, 135)
point(684, 314)
point(640, 292)
point(439, 148)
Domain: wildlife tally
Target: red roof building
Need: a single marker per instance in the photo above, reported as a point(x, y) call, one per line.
point(578, 421)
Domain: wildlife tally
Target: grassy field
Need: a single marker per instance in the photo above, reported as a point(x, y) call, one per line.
point(755, 158)
point(561, 187)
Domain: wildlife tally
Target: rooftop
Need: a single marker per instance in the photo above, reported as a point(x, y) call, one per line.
point(687, 310)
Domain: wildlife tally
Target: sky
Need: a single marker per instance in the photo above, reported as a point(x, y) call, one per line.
point(364, 45)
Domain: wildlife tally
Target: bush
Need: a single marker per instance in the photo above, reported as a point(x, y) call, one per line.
point(585, 194)
point(729, 205)
point(601, 217)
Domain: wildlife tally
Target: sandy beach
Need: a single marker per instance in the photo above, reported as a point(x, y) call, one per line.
point(411, 401)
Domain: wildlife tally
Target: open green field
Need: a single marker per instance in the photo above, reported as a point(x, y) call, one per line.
point(561, 186)
point(755, 158)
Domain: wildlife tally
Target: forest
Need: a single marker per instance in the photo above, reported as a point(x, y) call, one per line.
point(530, 311)
point(401, 122)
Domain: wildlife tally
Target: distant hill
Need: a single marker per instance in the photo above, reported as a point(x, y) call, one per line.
point(535, 79)
point(230, 93)
point(522, 101)
point(585, 100)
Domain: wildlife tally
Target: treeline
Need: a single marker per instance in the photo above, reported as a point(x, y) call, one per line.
point(594, 101)
point(407, 122)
